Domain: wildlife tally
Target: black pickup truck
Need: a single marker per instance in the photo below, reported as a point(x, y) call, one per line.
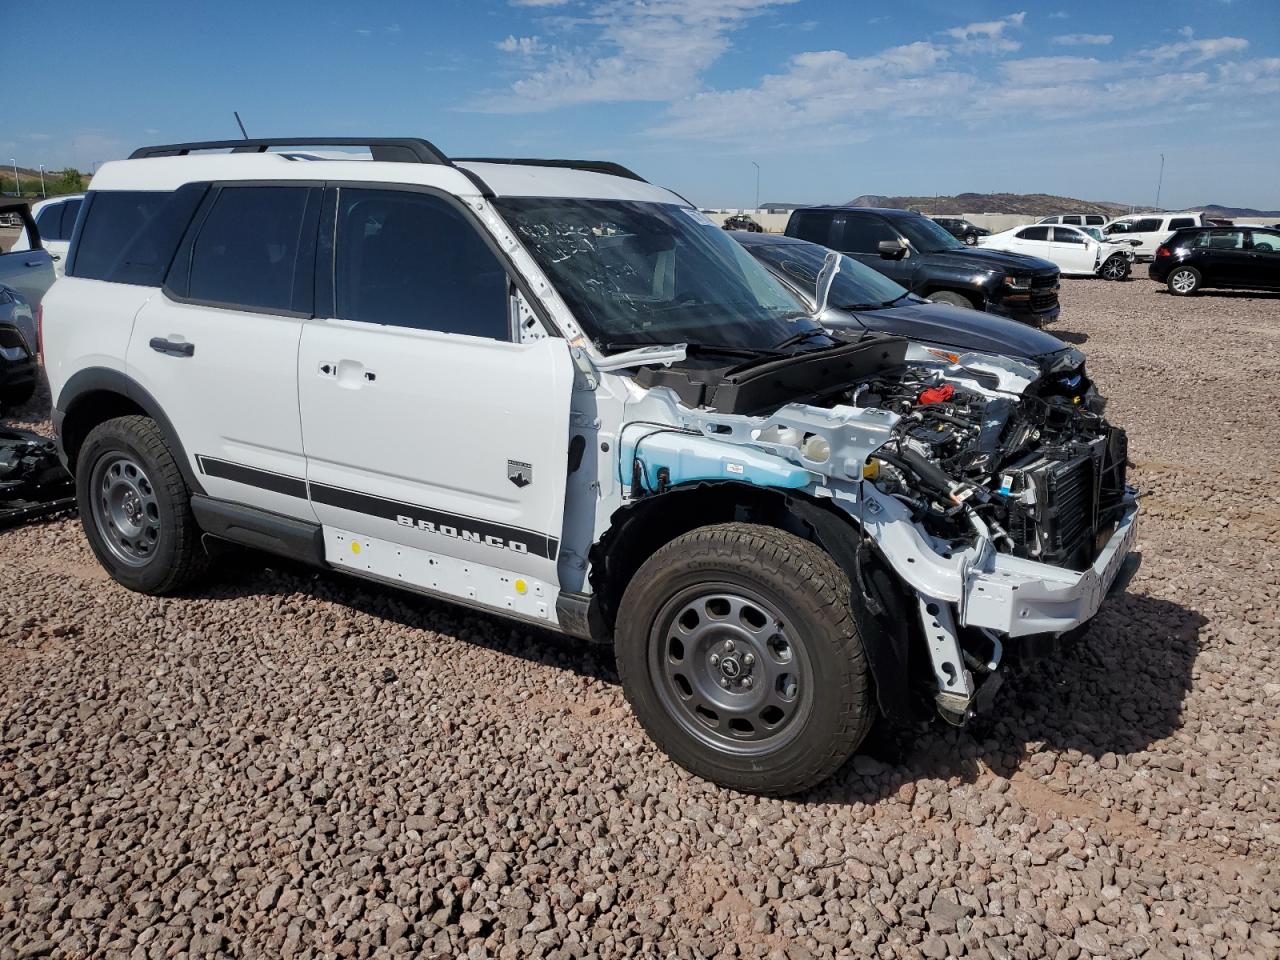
point(923, 257)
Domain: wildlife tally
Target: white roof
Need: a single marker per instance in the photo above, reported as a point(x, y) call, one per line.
point(512, 180)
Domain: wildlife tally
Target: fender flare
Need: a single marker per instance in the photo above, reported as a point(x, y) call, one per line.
point(93, 380)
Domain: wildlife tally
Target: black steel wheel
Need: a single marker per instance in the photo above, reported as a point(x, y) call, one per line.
point(739, 651)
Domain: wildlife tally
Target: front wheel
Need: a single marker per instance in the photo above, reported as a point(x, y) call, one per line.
point(740, 655)
point(1115, 267)
point(971, 239)
point(135, 507)
point(1183, 281)
point(953, 299)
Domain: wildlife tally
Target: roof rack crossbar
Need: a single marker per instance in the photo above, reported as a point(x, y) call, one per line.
point(592, 166)
point(392, 149)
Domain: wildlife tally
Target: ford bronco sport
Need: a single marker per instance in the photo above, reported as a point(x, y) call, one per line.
point(558, 393)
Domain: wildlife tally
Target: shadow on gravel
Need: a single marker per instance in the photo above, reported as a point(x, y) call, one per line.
point(1225, 294)
point(1070, 336)
point(1116, 690)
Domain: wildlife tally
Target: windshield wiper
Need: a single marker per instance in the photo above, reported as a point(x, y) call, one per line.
point(691, 346)
point(799, 337)
point(859, 306)
point(890, 303)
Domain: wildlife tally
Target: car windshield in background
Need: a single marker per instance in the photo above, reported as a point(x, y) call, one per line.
point(855, 286)
point(1094, 232)
point(653, 273)
point(927, 236)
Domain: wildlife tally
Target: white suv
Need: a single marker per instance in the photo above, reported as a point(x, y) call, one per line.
point(553, 391)
point(1147, 231)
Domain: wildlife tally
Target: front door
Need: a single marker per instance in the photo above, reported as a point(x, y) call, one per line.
point(424, 424)
point(1070, 251)
point(218, 348)
point(30, 272)
point(859, 235)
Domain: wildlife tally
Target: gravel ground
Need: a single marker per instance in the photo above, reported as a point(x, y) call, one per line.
point(292, 764)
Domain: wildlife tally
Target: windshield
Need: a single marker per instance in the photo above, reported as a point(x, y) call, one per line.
point(855, 285)
point(1093, 232)
point(653, 273)
point(927, 236)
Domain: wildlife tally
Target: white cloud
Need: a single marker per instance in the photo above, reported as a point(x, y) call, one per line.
point(1187, 32)
point(525, 45)
point(988, 36)
point(538, 3)
point(1059, 15)
point(1083, 39)
point(1196, 51)
point(640, 51)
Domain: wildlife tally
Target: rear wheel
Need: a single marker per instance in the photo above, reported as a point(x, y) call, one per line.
point(1183, 281)
point(135, 507)
point(971, 239)
point(954, 299)
point(739, 652)
point(1116, 267)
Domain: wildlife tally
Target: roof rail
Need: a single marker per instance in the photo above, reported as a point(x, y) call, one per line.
point(593, 166)
point(393, 149)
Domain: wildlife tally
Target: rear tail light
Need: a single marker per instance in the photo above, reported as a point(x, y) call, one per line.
point(1163, 251)
point(40, 331)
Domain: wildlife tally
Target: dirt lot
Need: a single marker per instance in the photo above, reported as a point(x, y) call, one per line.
point(289, 764)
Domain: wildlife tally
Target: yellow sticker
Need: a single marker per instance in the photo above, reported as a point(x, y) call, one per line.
point(355, 546)
point(521, 587)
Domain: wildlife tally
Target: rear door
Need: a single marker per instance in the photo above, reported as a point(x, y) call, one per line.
point(218, 348)
point(56, 223)
point(28, 270)
point(1071, 251)
point(1032, 241)
point(426, 425)
point(1265, 267)
point(1222, 258)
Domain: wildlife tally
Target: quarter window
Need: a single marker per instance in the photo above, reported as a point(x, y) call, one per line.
point(246, 254)
point(415, 260)
point(1034, 233)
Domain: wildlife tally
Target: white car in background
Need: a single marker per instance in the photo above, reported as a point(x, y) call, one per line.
point(55, 219)
point(1151, 229)
point(1078, 251)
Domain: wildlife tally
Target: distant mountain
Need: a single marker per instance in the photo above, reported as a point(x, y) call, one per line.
point(1024, 204)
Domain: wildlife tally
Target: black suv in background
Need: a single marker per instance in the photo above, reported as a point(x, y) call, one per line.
point(1198, 257)
point(962, 229)
point(927, 260)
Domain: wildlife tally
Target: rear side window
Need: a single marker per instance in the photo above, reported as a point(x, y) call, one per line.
point(129, 236)
point(410, 259)
point(1177, 223)
point(49, 221)
point(862, 234)
point(246, 254)
point(1095, 220)
point(1148, 225)
point(1034, 233)
point(1074, 220)
point(1266, 241)
point(814, 227)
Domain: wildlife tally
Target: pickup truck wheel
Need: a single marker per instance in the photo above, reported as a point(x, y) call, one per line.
point(740, 655)
point(1115, 267)
point(1184, 281)
point(135, 507)
point(955, 299)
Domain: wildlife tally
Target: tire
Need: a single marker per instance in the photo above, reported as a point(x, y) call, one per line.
point(954, 299)
point(777, 609)
point(136, 509)
point(1115, 267)
point(1183, 281)
point(971, 239)
point(17, 396)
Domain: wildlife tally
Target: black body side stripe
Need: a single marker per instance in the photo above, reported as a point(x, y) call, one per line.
point(407, 514)
point(252, 476)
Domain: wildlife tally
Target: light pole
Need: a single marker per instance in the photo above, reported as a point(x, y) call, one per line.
point(1160, 182)
point(16, 189)
point(42, 193)
point(757, 166)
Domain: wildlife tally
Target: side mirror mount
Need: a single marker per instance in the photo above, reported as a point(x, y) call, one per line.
point(892, 249)
point(826, 277)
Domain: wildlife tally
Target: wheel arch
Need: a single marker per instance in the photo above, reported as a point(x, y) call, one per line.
point(638, 530)
point(97, 394)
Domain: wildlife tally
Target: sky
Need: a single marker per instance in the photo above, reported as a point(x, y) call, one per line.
point(831, 98)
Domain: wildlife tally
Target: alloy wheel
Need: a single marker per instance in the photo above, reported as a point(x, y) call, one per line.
point(1183, 281)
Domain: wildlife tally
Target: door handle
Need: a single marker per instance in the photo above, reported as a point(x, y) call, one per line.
point(56, 256)
point(173, 348)
point(34, 263)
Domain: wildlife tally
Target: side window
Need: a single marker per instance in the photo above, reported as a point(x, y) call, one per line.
point(1177, 223)
point(1148, 225)
point(49, 222)
point(862, 234)
point(814, 227)
point(1034, 233)
point(1266, 242)
point(130, 236)
point(1221, 239)
point(246, 253)
point(70, 210)
point(1073, 219)
point(1121, 226)
point(1063, 235)
point(1095, 219)
point(412, 259)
